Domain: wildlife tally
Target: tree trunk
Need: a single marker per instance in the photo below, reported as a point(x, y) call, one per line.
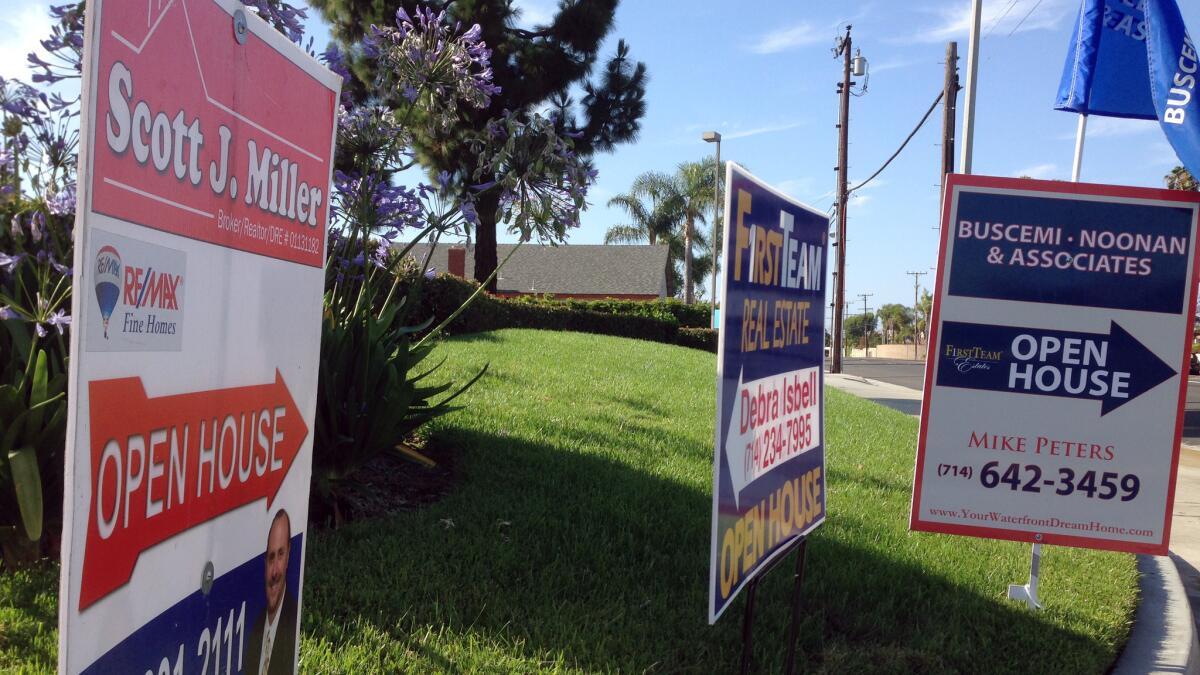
point(688, 296)
point(485, 237)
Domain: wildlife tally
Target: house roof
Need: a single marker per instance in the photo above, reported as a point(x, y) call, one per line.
point(570, 269)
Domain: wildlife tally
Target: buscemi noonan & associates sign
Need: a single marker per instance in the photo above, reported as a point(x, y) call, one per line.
point(1057, 372)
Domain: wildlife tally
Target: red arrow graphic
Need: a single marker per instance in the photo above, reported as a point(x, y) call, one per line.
point(161, 466)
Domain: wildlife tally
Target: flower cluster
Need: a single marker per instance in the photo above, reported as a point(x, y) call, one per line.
point(543, 183)
point(432, 64)
point(282, 16)
point(370, 197)
point(64, 46)
point(62, 203)
point(41, 135)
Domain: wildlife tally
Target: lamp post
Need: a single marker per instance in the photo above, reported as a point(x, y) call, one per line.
point(715, 137)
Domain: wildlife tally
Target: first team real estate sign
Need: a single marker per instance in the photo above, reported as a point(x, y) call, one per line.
point(199, 258)
point(1057, 373)
point(769, 460)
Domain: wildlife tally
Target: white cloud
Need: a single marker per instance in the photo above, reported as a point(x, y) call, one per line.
point(796, 186)
point(22, 30)
point(889, 65)
point(767, 129)
point(1040, 171)
point(534, 13)
point(998, 20)
point(733, 131)
point(1105, 127)
point(783, 39)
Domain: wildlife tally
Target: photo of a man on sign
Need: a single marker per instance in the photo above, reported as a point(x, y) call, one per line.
point(271, 646)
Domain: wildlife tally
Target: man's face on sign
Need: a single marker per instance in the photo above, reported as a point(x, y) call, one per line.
point(278, 548)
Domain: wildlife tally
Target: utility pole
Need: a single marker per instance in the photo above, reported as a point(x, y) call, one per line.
point(866, 329)
point(949, 105)
point(839, 290)
point(916, 309)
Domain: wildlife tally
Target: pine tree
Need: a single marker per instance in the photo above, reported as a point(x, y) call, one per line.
point(533, 68)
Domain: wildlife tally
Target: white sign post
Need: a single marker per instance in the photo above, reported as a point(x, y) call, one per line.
point(199, 256)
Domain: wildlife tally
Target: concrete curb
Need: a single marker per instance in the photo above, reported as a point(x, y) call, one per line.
point(1164, 634)
point(1163, 639)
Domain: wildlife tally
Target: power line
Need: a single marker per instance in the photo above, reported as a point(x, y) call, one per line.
point(998, 19)
point(1035, 6)
point(899, 149)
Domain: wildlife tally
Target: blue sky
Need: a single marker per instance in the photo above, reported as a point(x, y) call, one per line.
point(763, 75)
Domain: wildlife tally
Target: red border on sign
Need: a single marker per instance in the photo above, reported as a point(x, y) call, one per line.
point(955, 181)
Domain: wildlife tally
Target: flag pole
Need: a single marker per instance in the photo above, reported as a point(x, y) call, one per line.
point(1079, 136)
point(972, 71)
point(1028, 592)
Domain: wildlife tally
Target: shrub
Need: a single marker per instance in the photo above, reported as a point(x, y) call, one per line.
point(686, 316)
point(698, 338)
point(444, 293)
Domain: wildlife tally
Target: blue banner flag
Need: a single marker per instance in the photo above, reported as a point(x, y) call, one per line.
point(1133, 58)
point(1106, 64)
point(1173, 63)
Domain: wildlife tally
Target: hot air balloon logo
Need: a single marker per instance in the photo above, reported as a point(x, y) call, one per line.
point(108, 282)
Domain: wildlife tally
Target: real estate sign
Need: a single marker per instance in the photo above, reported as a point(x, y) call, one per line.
point(199, 269)
point(769, 460)
point(1057, 373)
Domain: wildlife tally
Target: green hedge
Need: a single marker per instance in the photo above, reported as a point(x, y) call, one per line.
point(444, 293)
point(698, 338)
point(671, 321)
point(687, 316)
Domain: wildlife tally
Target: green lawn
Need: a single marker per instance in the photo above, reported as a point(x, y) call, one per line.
point(577, 540)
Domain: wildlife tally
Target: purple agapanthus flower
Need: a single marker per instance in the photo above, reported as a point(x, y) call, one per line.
point(63, 202)
point(284, 17)
point(8, 313)
point(8, 262)
point(37, 226)
point(469, 213)
point(58, 320)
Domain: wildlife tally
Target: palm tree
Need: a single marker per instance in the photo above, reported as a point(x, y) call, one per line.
point(1181, 179)
point(649, 204)
point(653, 213)
point(658, 205)
point(695, 195)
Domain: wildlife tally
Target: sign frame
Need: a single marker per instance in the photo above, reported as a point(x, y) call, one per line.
point(958, 184)
point(805, 484)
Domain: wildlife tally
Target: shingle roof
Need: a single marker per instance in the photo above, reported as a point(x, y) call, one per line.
point(570, 269)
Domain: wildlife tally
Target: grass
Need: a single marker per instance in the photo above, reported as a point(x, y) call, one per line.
point(578, 541)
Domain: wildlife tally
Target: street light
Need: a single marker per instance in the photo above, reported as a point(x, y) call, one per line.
point(715, 137)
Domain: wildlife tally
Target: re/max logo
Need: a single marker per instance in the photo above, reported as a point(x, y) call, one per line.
point(146, 287)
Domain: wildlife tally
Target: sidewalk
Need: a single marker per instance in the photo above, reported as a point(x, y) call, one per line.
point(1163, 640)
point(1185, 526)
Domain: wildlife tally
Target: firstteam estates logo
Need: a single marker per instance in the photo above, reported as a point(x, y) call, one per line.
point(967, 359)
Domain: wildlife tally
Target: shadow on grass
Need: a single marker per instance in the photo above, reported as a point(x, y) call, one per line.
point(546, 554)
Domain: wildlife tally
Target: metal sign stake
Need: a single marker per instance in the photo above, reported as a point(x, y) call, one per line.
point(1028, 592)
point(789, 663)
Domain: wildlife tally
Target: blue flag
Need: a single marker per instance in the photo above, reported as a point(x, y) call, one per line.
point(1173, 64)
point(1105, 72)
point(1133, 58)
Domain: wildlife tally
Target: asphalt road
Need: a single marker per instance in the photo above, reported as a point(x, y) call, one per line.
point(911, 374)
